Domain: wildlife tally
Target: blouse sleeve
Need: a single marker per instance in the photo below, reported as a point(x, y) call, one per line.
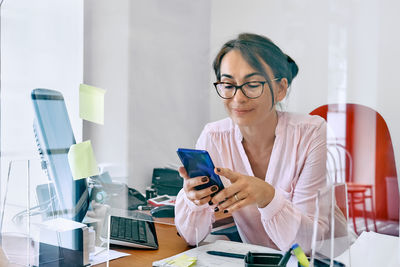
point(288, 222)
point(194, 222)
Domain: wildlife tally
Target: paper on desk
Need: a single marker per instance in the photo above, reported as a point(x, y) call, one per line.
point(61, 225)
point(105, 256)
point(82, 161)
point(372, 249)
point(206, 260)
point(91, 103)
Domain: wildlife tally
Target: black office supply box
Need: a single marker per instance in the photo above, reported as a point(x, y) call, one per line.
point(167, 181)
point(263, 260)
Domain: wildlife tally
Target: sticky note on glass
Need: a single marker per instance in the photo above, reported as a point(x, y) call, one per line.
point(91, 103)
point(183, 261)
point(82, 161)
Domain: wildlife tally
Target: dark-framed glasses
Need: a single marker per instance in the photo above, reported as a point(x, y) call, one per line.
point(252, 89)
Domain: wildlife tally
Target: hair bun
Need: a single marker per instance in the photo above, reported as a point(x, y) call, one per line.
point(292, 66)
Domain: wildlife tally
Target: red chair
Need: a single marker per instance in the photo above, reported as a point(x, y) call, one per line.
point(363, 140)
point(339, 157)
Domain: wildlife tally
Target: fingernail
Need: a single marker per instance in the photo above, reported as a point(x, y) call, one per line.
point(214, 188)
point(213, 194)
point(216, 209)
point(204, 179)
point(210, 203)
point(225, 211)
point(218, 169)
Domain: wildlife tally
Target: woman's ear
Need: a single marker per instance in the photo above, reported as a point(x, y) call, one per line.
point(281, 89)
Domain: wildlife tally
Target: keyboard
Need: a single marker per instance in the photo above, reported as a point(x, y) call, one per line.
point(133, 231)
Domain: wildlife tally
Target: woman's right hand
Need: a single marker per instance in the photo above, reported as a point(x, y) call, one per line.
point(198, 197)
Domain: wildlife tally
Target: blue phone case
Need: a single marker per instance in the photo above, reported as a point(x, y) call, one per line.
point(199, 163)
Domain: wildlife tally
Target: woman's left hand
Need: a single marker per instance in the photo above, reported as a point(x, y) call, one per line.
point(244, 190)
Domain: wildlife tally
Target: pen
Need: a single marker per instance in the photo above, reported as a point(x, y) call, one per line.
point(225, 254)
point(285, 258)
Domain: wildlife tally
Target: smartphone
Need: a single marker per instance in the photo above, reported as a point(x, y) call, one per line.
point(199, 163)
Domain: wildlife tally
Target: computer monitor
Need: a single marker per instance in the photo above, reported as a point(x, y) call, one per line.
point(54, 137)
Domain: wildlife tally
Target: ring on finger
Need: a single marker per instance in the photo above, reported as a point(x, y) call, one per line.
point(236, 197)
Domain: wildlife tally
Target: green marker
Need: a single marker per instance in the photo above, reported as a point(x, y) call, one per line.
point(301, 257)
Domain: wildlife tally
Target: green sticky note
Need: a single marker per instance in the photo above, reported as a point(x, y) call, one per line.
point(91, 103)
point(81, 160)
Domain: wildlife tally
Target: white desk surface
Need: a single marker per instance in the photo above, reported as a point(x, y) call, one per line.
point(373, 249)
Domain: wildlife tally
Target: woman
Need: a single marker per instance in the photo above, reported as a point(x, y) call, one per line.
point(271, 163)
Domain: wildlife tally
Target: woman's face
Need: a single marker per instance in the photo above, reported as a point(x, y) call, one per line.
point(244, 111)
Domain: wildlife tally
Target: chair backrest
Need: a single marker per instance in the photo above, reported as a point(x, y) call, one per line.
point(339, 161)
point(363, 133)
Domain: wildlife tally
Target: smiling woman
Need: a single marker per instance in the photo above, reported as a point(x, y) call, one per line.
point(235, 69)
point(272, 163)
point(256, 51)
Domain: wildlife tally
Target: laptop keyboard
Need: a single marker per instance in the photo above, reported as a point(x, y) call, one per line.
point(133, 232)
point(127, 229)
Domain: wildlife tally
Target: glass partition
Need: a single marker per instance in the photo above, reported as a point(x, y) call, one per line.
point(35, 231)
point(19, 238)
point(155, 61)
point(329, 243)
point(346, 75)
point(36, 227)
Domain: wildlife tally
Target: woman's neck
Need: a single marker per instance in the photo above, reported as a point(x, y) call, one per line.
point(260, 136)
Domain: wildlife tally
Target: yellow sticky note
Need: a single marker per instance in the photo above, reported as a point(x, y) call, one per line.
point(183, 261)
point(82, 161)
point(91, 103)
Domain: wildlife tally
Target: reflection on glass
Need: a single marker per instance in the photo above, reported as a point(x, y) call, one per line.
point(361, 154)
point(331, 203)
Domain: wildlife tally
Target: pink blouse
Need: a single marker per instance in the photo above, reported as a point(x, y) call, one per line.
point(297, 169)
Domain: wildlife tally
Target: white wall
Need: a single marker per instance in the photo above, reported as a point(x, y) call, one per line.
point(152, 58)
point(106, 65)
point(41, 47)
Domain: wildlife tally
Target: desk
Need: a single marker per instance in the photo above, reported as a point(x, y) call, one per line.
point(169, 244)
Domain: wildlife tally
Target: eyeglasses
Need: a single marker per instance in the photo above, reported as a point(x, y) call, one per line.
point(253, 89)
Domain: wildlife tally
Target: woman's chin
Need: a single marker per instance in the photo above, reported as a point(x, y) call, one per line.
point(241, 121)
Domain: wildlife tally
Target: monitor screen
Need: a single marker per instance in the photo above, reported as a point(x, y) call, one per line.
point(54, 137)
